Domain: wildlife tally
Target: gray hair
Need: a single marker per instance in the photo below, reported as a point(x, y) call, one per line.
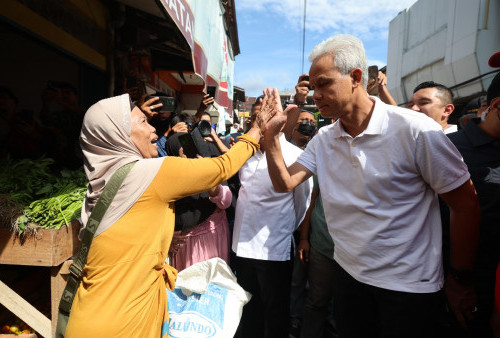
point(347, 51)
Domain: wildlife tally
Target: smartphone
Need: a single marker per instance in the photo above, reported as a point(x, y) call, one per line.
point(167, 101)
point(211, 91)
point(188, 146)
point(306, 78)
point(372, 80)
point(372, 73)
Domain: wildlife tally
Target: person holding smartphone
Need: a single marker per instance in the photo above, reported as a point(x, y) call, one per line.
point(299, 100)
point(205, 102)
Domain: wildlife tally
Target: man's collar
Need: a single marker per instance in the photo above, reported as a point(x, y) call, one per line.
point(376, 126)
point(451, 128)
point(475, 134)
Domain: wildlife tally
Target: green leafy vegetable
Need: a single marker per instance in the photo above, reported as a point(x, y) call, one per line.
point(48, 199)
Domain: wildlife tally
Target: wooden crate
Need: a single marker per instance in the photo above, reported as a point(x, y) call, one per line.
point(47, 248)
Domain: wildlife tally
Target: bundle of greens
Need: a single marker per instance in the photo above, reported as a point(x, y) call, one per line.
point(53, 212)
point(49, 200)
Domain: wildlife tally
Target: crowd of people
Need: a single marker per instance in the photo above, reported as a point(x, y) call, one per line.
point(369, 220)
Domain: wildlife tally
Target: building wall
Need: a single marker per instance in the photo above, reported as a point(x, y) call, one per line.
point(447, 41)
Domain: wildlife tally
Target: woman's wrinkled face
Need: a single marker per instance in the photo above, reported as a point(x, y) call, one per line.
point(143, 134)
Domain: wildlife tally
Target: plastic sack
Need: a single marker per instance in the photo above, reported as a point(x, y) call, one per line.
point(206, 302)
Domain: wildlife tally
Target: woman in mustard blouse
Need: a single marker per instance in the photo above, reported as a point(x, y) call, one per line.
point(123, 291)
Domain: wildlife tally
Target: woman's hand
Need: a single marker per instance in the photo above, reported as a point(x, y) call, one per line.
point(214, 191)
point(213, 136)
point(205, 102)
point(148, 106)
point(180, 127)
point(272, 118)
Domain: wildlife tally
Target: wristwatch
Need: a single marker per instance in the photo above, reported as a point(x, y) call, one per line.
point(463, 276)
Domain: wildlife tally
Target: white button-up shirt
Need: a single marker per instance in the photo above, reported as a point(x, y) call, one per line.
point(379, 196)
point(265, 220)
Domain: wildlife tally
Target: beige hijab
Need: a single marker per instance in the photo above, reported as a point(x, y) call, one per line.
point(106, 145)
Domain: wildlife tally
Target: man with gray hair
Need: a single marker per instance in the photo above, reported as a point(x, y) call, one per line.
point(380, 168)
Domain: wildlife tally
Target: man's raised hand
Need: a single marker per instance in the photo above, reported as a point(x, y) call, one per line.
point(272, 118)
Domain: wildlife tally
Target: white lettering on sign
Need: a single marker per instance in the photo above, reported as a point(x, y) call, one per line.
point(182, 12)
point(184, 19)
point(173, 5)
point(188, 25)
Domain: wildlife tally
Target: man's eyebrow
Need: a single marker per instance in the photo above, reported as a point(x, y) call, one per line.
point(424, 99)
point(321, 79)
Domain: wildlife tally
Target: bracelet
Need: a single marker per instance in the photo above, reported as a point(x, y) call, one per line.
point(299, 104)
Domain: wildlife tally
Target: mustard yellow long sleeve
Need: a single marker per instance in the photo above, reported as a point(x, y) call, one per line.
point(181, 177)
point(123, 292)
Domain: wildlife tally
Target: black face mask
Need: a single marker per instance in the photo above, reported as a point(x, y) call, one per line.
point(306, 128)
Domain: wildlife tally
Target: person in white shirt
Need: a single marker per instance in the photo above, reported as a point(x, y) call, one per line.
point(436, 101)
point(262, 240)
point(380, 169)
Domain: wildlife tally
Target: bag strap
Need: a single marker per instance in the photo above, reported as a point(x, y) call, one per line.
point(76, 269)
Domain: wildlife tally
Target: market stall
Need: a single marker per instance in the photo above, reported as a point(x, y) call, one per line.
point(39, 226)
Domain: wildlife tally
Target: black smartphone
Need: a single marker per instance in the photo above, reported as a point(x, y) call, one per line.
point(167, 101)
point(306, 78)
point(211, 91)
point(188, 146)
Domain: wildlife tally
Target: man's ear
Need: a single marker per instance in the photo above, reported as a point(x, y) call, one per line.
point(356, 77)
point(448, 109)
point(495, 103)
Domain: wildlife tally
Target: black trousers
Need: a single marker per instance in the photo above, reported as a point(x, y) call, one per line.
point(267, 313)
point(362, 310)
